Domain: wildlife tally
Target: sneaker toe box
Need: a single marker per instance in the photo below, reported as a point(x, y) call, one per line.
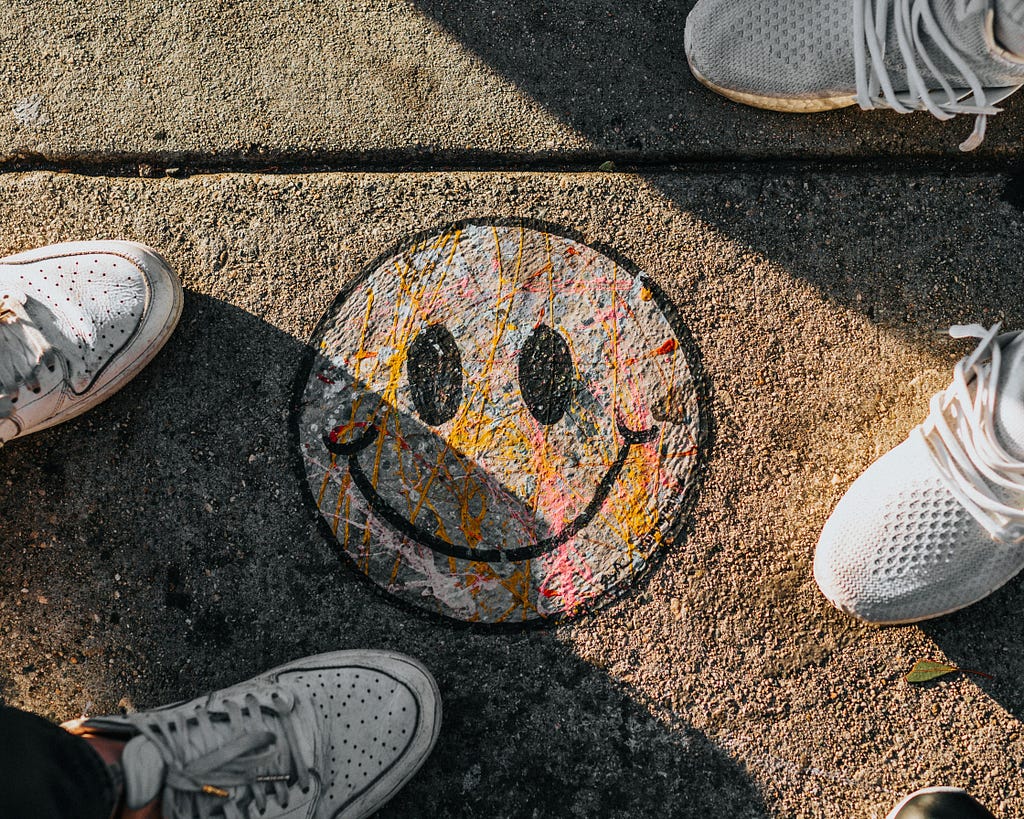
point(773, 55)
point(379, 715)
point(899, 546)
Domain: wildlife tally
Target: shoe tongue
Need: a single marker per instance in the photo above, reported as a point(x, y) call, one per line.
point(963, 24)
point(144, 772)
point(1009, 409)
point(1009, 25)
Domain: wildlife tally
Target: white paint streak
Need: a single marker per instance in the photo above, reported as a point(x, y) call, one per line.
point(31, 111)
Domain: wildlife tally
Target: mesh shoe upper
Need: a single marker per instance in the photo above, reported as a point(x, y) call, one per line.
point(76, 322)
point(934, 525)
point(936, 55)
point(775, 48)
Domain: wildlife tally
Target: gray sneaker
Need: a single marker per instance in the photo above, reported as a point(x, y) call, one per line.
point(78, 321)
point(334, 735)
point(939, 56)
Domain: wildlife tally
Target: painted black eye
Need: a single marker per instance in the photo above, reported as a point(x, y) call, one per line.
point(434, 367)
point(545, 375)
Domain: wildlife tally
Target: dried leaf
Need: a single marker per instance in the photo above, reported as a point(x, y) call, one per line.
point(927, 670)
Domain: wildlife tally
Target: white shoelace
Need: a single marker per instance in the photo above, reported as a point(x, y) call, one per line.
point(23, 349)
point(913, 19)
point(262, 738)
point(960, 433)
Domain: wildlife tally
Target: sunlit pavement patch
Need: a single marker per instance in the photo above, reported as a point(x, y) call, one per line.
point(498, 423)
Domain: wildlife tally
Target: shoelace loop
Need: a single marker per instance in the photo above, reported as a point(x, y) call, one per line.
point(913, 19)
point(961, 436)
point(24, 350)
point(252, 754)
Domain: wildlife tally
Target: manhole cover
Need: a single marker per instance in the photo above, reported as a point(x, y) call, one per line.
point(499, 423)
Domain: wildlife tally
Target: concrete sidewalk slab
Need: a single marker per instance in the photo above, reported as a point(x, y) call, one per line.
point(160, 545)
point(219, 82)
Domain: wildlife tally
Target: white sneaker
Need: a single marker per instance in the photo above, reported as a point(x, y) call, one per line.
point(333, 736)
point(939, 56)
point(938, 523)
point(77, 322)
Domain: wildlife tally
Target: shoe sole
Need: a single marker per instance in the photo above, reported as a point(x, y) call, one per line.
point(791, 105)
point(171, 304)
point(911, 620)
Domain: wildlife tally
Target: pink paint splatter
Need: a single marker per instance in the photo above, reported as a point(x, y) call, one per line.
point(563, 566)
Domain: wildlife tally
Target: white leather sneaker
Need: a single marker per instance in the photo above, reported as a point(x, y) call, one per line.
point(77, 322)
point(938, 522)
point(333, 736)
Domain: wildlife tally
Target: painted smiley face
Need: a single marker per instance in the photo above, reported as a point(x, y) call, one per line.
point(499, 424)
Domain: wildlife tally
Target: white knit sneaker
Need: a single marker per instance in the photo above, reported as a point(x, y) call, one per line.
point(939, 56)
point(77, 322)
point(938, 522)
point(333, 736)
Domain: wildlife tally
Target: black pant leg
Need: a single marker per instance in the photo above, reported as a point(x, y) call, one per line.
point(48, 773)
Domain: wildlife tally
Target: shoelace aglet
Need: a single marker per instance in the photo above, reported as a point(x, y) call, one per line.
point(977, 331)
point(212, 790)
point(977, 135)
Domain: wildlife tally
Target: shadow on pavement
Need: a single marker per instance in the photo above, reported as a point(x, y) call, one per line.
point(882, 244)
point(985, 637)
point(911, 254)
point(532, 731)
point(159, 546)
point(618, 74)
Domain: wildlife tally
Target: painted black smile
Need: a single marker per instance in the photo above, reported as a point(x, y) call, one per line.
point(384, 510)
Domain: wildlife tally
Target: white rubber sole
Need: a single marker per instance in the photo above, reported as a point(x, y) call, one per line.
point(806, 105)
point(911, 620)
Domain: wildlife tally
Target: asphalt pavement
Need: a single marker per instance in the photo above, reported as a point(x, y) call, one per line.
point(162, 544)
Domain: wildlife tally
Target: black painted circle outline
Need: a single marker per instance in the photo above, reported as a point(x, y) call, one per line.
point(675, 534)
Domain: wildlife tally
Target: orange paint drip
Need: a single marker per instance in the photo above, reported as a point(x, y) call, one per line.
point(669, 346)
